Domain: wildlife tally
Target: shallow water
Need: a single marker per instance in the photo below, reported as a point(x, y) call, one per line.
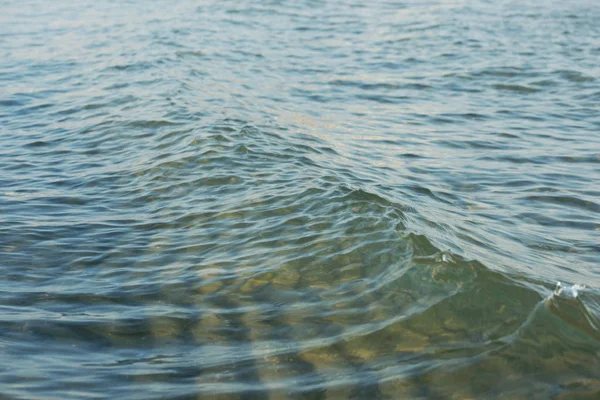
point(300, 199)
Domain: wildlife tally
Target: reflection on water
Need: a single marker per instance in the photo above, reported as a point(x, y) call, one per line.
point(309, 200)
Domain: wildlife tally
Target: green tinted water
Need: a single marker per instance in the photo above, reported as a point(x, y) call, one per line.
point(311, 200)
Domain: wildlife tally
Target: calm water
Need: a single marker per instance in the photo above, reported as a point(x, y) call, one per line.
point(300, 199)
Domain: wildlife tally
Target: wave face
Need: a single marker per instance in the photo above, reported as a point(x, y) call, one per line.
point(299, 199)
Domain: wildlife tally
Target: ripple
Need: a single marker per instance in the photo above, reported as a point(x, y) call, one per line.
point(296, 200)
point(567, 201)
point(516, 88)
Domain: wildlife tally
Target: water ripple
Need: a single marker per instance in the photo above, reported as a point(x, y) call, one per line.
point(299, 200)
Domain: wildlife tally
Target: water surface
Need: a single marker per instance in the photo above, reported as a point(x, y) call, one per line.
point(300, 199)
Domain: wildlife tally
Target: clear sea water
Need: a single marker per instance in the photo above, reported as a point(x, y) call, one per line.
point(301, 199)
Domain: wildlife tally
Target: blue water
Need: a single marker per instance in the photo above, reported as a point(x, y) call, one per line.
point(300, 199)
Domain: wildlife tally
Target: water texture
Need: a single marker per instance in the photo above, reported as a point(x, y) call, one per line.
point(300, 199)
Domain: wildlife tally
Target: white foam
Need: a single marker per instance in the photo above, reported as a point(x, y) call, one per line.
point(571, 291)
